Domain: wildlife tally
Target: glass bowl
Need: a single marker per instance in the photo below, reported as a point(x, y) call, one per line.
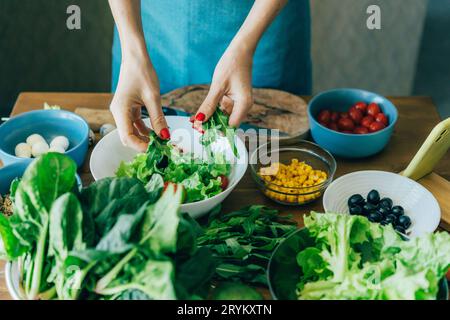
point(283, 152)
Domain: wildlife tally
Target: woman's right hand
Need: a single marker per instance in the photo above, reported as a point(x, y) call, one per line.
point(138, 86)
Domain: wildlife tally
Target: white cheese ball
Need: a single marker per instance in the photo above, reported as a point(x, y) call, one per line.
point(39, 149)
point(35, 138)
point(57, 149)
point(23, 150)
point(61, 142)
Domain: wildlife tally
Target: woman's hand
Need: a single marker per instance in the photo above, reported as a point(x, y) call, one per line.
point(231, 87)
point(138, 86)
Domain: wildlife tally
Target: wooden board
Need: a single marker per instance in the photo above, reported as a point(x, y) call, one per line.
point(417, 117)
point(440, 188)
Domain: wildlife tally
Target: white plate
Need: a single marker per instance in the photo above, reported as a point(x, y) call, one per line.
point(419, 204)
point(110, 152)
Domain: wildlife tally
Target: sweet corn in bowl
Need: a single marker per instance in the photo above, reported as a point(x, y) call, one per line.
point(292, 174)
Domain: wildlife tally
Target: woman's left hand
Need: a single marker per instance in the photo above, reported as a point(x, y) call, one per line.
point(231, 87)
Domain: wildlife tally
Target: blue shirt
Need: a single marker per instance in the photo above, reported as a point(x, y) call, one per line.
point(186, 38)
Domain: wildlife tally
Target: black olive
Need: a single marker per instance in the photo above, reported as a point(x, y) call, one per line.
point(356, 210)
point(163, 163)
point(404, 221)
point(373, 197)
point(389, 219)
point(386, 203)
point(383, 211)
point(398, 211)
point(355, 199)
point(368, 208)
point(375, 217)
point(400, 229)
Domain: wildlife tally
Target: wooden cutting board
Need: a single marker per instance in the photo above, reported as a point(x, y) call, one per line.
point(440, 188)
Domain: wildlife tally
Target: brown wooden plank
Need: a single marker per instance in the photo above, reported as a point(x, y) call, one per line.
point(417, 117)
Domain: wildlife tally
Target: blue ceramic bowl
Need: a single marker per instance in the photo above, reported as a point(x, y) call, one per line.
point(13, 171)
point(350, 145)
point(49, 124)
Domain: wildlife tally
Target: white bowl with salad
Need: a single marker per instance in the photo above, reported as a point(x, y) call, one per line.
point(208, 166)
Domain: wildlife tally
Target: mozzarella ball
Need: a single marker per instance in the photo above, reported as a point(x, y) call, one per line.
point(35, 138)
point(57, 149)
point(39, 149)
point(23, 150)
point(106, 128)
point(61, 142)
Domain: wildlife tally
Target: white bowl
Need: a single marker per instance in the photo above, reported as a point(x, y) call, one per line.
point(110, 152)
point(419, 204)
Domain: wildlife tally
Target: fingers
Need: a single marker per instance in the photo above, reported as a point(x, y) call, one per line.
point(157, 118)
point(227, 104)
point(209, 106)
point(124, 120)
point(240, 110)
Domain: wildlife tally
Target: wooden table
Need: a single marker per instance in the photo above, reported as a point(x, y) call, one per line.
point(417, 117)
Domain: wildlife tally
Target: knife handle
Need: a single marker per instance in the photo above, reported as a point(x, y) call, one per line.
point(431, 152)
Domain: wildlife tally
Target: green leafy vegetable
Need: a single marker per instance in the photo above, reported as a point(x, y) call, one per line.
point(243, 241)
point(355, 259)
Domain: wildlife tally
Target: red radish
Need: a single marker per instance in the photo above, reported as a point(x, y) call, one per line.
point(333, 126)
point(346, 124)
point(367, 121)
point(361, 106)
point(373, 109)
point(224, 182)
point(324, 116)
point(334, 116)
point(361, 130)
point(356, 115)
point(376, 126)
point(381, 117)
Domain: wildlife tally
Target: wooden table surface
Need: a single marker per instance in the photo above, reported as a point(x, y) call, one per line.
point(417, 117)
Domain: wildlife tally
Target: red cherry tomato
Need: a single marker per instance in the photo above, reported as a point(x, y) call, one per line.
point(373, 109)
point(346, 124)
point(344, 115)
point(334, 116)
point(381, 117)
point(361, 106)
point(367, 121)
point(333, 126)
point(356, 115)
point(361, 130)
point(324, 116)
point(224, 180)
point(376, 126)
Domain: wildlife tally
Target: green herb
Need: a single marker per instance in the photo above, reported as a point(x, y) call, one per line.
point(164, 162)
point(243, 241)
point(355, 259)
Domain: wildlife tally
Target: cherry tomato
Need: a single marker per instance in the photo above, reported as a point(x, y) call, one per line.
point(334, 116)
point(376, 126)
point(373, 109)
point(324, 116)
point(333, 126)
point(448, 275)
point(381, 117)
point(356, 115)
point(224, 180)
point(367, 121)
point(346, 124)
point(361, 106)
point(361, 130)
point(344, 115)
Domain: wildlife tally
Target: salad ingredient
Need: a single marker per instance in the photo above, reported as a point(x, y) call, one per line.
point(57, 149)
point(324, 117)
point(235, 291)
point(361, 106)
point(356, 115)
point(6, 205)
point(367, 121)
point(242, 242)
point(346, 124)
point(287, 179)
point(381, 117)
point(334, 117)
point(60, 142)
point(116, 239)
point(354, 259)
point(201, 179)
point(23, 150)
point(39, 148)
point(34, 138)
point(376, 126)
point(380, 211)
point(373, 109)
point(361, 130)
